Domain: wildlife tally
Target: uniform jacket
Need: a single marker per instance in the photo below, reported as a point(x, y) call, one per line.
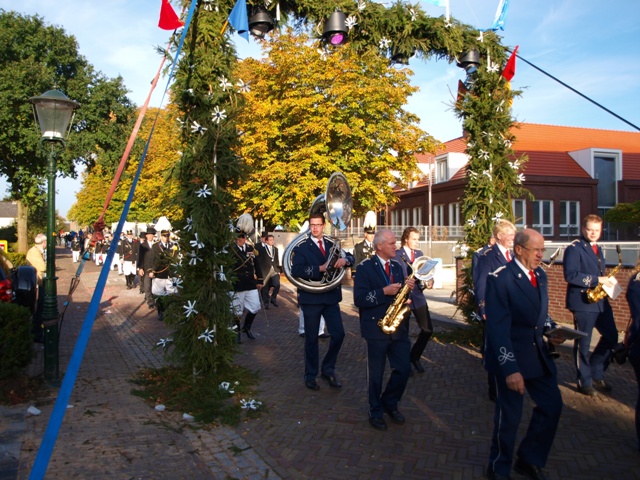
point(163, 257)
point(516, 313)
point(582, 268)
point(145, 257)
point(490, 261)
point(361, 252)
point(633, 297)
point(246, 269)
point(267, 262)
point(307, 259)
point(372, 302)
point(130, 250)
point(417, 297)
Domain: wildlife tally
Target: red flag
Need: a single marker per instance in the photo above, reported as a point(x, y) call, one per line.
point(168, 18)
point(462, 91)
point(510, 68)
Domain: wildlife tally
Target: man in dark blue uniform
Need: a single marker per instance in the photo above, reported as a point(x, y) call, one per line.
point(377, 282)
point(409, 251)
point(517, 355)
point(632, 337)
point(584, 267)
point(310, 261)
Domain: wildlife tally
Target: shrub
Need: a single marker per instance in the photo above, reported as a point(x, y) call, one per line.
point(15, 339)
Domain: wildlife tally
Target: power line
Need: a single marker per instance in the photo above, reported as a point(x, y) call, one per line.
point(576, 91)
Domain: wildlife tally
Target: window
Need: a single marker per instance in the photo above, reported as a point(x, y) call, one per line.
point(438, 215)
point(569, 219)
point(417, 216)
point(441, 171)
point(605, 173)
point(543, 217)
point(454, 214)
point(519, 213)
point(406, 220)
point(394, 218)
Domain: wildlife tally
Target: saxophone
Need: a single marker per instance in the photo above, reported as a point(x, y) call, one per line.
point(597, 293)
point(398, 309)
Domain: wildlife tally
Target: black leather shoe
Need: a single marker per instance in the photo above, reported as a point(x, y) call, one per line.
point(396, 416)
point(491, 475)
point(533, 472)
point(416, 364)
point(332, 381)
point(249, 334)
point(602, 386)
point(324, 335)
point(588, 391)
point(302, 335)
point(312, 385)
point(273, 302)
point(378, 424)
point(266, 306)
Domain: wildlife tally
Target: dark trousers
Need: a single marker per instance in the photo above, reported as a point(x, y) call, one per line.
point(423, 318)
point(333, 322)
point(635, 363)
point(536, 444)
point(148, 297)
point(397, 351)
point(591, 367)
point(274, 281)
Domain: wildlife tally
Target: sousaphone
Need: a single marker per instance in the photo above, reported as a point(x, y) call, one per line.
point(337, 205)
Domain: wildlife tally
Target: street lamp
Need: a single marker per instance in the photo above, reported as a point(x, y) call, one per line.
point(53, 112)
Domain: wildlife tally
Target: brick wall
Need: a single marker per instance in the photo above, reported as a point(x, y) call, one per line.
point(558, 289)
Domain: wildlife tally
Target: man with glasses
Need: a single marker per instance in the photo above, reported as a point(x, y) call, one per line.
point(310, 261)
point(584, 268)
point(516, 354)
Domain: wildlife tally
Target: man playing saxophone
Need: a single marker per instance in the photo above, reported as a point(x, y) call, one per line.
point(584, 268)
point(377, 282)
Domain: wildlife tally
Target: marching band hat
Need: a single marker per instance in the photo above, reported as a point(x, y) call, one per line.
point(240, 234)
point(165, 232)
point(129, 232)
point(369, 229)
point(150, 230)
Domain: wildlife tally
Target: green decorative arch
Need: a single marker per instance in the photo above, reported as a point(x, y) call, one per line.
point(209, 96)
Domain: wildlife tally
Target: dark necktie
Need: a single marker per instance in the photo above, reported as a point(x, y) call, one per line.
point(532, 277)
point(321, 247)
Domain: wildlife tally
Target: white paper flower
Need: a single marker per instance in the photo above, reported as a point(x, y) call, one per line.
point(208, 5)
point(507, 143)
point(351, 22)
point(413, 14)
point(204, 191)
point(487, 174)
point(384, 43)
point(464, 250)
point(472, 222)
point(475, 317)
point(197, 128)
point(207, 336)
point(483, 154)
point(500, 106)
point(190, 90)
point(226, 386)
point(217, 115)
point(480, 37)
point(362, 5)
point(521, 178)
point(250, 404)
point(180, 122)
point(190, 308)
point(323, 54)
point(498, 217)
point(243, 87)
point(224, 83)
point(195, 243)
point(164, 342)
point(193, 258)
point(515, 165)
point(492, 67)
point(177, 282)
point(189, 224)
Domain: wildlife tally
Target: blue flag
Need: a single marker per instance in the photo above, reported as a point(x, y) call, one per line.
point(501, 15)
point(438, 3)
point(239, 20)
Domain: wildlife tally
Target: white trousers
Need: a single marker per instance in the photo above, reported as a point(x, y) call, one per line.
point(249, 299)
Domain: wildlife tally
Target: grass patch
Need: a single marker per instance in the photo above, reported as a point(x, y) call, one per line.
point(200, 396)
point(469, 336)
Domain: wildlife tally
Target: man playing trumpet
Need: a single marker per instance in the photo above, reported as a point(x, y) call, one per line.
point(584, 267)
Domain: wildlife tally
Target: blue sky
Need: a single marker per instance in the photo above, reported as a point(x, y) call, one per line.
point(590, 45)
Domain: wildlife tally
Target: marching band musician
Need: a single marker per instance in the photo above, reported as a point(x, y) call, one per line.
point(377, 282)
point(128, 250)
point(248, 281)
point(310, 261)
point(584, 267)
point(410, 241)
point(364, 249)
point(163, 254)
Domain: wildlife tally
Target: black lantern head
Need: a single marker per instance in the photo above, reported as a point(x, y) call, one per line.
point(260, 22)
point(335, 28)
point(470, 61)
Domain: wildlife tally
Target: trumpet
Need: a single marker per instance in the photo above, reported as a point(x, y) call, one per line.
point(597, 293)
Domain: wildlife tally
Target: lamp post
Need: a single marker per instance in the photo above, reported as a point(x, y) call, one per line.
point(53, 111)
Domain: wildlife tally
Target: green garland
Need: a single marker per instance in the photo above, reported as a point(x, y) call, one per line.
point(209, 96)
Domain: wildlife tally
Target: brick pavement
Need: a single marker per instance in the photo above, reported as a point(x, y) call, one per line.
point(302, 434)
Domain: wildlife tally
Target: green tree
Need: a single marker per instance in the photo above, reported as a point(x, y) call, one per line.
point(309, 113)
point(35, 58)
point(157, 190)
